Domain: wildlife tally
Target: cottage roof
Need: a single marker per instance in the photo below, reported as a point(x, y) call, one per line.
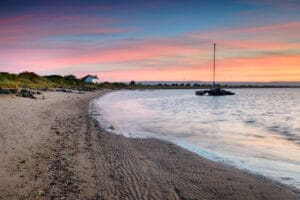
point(91, 76)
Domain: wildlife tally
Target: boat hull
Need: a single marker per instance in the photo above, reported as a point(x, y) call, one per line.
point(214, 92)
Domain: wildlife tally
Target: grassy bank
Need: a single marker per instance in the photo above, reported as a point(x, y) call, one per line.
point(33, 81)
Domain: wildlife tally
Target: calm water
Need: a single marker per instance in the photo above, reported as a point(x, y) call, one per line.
point(256, 130)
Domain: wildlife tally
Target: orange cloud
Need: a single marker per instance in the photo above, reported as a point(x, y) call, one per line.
point(129, 53)
point(265, 68)
point(268, 68)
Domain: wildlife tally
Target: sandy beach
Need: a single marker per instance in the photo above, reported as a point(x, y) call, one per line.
point(52, 148)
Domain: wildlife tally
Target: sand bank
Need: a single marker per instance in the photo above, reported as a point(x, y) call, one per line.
point(54, 149)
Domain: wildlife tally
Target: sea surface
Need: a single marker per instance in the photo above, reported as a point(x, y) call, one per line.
point(257, 130)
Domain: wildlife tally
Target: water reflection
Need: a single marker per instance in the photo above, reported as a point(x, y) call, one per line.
point(257, 129)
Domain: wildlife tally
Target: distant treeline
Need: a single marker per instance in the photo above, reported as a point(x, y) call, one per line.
point(33, 81)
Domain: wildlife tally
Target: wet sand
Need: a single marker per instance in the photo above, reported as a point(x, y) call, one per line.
point(54, 149)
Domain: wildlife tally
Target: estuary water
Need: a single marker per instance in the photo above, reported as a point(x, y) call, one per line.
point(257, 130)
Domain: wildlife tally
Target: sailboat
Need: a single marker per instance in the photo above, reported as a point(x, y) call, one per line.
point(216, 89)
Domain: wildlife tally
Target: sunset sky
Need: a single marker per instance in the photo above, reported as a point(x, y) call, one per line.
point(257, 40)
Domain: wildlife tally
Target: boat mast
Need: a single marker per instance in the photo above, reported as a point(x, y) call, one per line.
point(214, 80)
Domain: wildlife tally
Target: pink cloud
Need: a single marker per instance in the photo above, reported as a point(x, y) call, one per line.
point(19, 29)
point(15, 19)
point(277, 37)
point(283, 28)
point(257, 45)
point(136, 51)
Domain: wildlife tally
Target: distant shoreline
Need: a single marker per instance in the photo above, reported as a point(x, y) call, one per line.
point(30, 80)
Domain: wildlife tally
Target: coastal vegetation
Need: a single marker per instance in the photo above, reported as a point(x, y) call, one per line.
point(24, 80)
point(31, 80)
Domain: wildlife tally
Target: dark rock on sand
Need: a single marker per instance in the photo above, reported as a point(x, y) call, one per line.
point(26, 93)
point(8, 91)
point(64, 90)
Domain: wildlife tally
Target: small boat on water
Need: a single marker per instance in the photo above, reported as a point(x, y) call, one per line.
point(216, 89)
point(214, 92)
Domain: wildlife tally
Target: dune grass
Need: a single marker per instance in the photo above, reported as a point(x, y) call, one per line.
point(34, 81)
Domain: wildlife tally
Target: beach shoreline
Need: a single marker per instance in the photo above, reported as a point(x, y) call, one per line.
point(54, 148)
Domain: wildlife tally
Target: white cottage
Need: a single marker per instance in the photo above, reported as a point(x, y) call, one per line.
point(91, 79)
